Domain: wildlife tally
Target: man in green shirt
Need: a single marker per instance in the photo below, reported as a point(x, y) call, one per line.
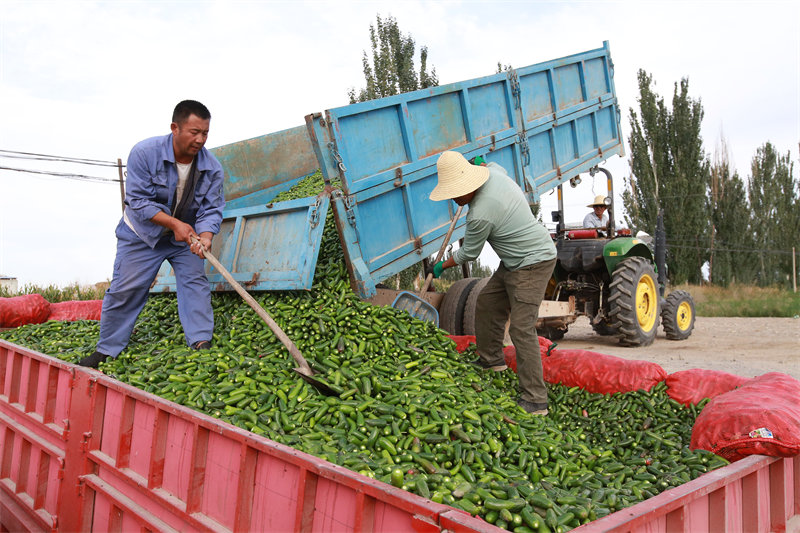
point(500, 215)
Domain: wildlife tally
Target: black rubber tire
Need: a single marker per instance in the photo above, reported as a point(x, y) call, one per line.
point(468, 324)
point(677, 315)
point(634, 302)
point(451, 312)
point(551, 333)
point(604, 328)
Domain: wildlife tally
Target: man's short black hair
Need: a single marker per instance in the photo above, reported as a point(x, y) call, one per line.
point(190, 107)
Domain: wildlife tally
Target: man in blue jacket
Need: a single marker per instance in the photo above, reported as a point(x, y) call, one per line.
point(173, 208)
point(500, 215)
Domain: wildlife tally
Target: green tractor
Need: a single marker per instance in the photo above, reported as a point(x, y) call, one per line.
point(611, 278)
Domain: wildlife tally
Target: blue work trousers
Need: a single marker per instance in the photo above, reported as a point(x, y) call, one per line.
point(135, 268)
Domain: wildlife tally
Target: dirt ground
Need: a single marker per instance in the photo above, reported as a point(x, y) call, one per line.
point(746, 347)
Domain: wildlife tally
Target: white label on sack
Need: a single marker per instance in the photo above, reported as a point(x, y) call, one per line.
point(763, 433)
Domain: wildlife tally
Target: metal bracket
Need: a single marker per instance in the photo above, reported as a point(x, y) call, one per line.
point(398, 177)
point(315, 213)
point(515, 90)
point(349, 201)
point(524, 149)
point(336, 157)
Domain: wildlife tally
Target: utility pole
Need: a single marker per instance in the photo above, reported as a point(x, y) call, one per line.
point(121, 184)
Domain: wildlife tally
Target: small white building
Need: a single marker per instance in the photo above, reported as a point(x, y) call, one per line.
point(8, 283)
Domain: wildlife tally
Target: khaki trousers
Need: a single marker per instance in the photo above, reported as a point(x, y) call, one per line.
point(518, 293)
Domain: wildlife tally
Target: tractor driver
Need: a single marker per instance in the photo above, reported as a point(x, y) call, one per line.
point(598, 218)
point(500, 215)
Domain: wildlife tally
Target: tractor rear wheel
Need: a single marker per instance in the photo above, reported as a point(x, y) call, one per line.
point(634, 302)
point(471, 305)
point(677, 317)
point(451, 312)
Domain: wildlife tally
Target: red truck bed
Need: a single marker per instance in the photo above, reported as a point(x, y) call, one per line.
point(80, 451)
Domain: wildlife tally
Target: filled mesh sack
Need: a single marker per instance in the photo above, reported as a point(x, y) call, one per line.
point(76, 310)
point(21, 310)
point(600, 373)
point(761, 417)
point(690, 387)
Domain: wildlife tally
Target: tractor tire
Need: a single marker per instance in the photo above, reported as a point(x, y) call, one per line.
point(677, 316)
point(451, 312)
point(469, 307)
point(551, 333)
point(634, 302)
point(604, 328)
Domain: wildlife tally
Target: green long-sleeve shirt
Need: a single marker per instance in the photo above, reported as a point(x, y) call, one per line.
point(500, 215)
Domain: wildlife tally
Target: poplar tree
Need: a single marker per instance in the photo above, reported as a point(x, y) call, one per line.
point(669, 170)
point(731, 259)
point(391, 69)
point(774, 199)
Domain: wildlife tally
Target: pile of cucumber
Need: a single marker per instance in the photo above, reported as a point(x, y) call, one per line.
point(410, 410)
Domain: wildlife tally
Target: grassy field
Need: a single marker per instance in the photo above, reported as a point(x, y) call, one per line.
point(55, 294)
point(743, 300)
point(736, 300)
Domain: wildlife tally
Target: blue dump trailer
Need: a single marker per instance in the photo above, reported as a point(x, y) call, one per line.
point(545, 124)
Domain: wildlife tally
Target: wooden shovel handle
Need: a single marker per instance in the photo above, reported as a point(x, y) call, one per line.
point(276, 329)
point(439, 256)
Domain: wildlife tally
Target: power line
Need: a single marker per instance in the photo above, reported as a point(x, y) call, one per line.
point(80, 177)
point(44, 157)
point(746, 250)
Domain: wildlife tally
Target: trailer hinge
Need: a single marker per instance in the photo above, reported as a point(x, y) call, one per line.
point(337, 159)
point(524, 148)
point(85, 441)
point(515, 90)
point(315, 213)
point(349, 201)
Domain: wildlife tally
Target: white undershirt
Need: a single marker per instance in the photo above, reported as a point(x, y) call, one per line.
point(183, 177)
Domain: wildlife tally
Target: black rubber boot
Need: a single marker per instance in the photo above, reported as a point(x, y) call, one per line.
point(533, 408)
point(94, 360)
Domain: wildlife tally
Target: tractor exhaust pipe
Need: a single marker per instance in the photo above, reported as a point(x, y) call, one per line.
point(661, 252)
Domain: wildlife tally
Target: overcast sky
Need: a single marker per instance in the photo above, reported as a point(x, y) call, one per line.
point(90, 79)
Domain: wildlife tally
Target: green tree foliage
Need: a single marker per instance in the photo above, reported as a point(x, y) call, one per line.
point(669, 170)
point(731, 238)
point(391, 70)
point(774, 196)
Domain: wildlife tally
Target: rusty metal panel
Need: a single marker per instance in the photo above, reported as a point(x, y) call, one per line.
point(265, 247)
point(257, 169)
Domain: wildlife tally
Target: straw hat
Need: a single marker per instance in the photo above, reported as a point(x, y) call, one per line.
point(599, 200)
point(457, 177)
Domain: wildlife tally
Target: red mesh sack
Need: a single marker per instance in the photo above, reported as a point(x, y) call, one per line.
point(762, 417)
point(600, 373)
point(76, 310)
point(510, 352)
point(21, 310)
point(462, 341)
point(691, 386)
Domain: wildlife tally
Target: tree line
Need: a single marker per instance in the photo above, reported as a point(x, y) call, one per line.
point(738, 230)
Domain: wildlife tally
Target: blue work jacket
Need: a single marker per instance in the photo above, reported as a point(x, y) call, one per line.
point(153, 180)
